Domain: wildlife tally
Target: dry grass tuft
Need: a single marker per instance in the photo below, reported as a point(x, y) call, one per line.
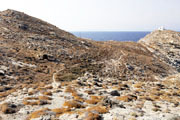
point(38, 113)
point(37, 102)
point(31, 98)
point(44, 98)
point(78, 98)
point(99, 109)
point(90, 92)
point(47, 93)
point(25, 102)
point(60, 111)
point(138, 85)
point(49, 87)
point(125, 98)
point(94, 99)
point(69, 89)
point(93, 116)
point(6, 93)
point(73, 104)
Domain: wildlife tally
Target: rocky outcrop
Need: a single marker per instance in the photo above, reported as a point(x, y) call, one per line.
point(165, 45)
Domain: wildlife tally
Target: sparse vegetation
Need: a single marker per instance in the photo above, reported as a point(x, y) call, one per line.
point(99, 109)
point(38, 113)
point(73, 104)
point(60, 111)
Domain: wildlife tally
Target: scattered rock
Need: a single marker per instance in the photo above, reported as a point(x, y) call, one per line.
point(8, 108)
point(115, 93)
point(2, 73)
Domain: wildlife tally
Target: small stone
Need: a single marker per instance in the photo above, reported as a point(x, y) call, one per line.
point(2, 73)
point(8, 108)
point(115, 93)
point(30, 90)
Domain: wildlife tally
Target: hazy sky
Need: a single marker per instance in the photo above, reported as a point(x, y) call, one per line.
point(106, 15)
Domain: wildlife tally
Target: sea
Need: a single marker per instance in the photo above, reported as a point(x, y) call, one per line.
point(116, 36)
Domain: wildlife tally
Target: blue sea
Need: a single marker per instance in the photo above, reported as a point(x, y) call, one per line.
point(117, 36)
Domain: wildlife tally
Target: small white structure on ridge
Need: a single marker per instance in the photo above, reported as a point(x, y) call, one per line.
point(161, 28)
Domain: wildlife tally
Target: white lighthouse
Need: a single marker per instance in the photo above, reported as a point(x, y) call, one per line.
point(161, 28)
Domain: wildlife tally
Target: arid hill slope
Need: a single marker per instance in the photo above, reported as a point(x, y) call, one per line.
point(33, 50)
point(47, 73)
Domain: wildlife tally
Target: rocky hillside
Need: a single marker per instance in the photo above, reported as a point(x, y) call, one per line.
point(165, 45)
point(47, 73)
point(32, 50)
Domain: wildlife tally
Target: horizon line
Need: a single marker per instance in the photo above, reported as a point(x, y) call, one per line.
point(109, 31)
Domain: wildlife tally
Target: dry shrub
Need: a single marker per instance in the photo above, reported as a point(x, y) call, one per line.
point(43, 102)
point(94, 99)
point(115, 87)
point(37, 102)
point(154, 97)
point(41, 84)
point(30, 93)
point(93, 116)
point(67, 77)
point(78, 98)
point(90, 92)
point(59, 111)
point(166, 98)
point(25, 102)
point(4, 88)
point(41, 88)
point(47, 93)
point(73, 104)
point(49, 87)
point(69, 89)
point(44, 98)
point(45, 88)
point(138, 85)
point(74, 94)
point(64, 83)
point(6, 93)
point(38, 113)
point(125, 98)
point(3, 94)
point(155, 109)
point(105, 87)
point(100, 109)
point(97, 97)
point(31, 98)
point(34, 86)
point(139, 90)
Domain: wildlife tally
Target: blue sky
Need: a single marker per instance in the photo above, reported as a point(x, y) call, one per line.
point(102, 15)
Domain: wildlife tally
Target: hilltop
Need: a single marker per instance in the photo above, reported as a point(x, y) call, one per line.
point(165, 45)
point(48, 73)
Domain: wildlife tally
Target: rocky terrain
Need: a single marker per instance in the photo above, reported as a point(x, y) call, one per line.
point(165, 45)
point(49, 74)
